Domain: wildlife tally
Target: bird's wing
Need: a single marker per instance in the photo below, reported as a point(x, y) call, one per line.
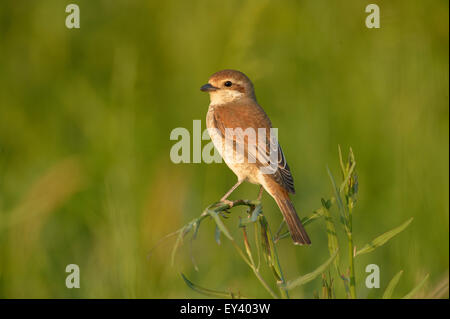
point(285, 172)
point(251, 115)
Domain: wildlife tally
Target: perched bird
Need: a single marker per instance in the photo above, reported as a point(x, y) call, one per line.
point(233, 106)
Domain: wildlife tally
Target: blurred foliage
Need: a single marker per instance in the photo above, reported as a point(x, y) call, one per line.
point(85, 118)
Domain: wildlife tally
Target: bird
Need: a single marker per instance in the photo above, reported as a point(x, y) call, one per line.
point(233, 107)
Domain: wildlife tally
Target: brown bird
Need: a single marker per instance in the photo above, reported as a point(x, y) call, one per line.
point(233, 108)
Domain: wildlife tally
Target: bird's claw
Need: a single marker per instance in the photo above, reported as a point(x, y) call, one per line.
point(227, 202)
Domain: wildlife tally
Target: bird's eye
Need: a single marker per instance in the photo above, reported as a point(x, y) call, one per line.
point(228, 83)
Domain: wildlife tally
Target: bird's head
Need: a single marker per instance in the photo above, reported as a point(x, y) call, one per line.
point(228, 86)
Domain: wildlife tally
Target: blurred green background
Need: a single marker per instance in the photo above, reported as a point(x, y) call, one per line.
point(86, 114)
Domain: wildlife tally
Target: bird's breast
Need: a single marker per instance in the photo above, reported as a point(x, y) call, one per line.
point(243, 170)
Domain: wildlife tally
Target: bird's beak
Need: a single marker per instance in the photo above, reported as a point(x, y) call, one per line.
point(208, 88)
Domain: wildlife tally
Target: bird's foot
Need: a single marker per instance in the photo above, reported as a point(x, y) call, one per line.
point(227, 202)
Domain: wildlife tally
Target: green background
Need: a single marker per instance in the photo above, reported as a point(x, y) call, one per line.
point(86, 115)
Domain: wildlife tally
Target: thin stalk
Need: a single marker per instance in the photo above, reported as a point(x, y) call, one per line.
point(250, 261)
point(252, 265)
point(351, 256)
point(261, 279)
point(257, 244)
point(241, 253)
point(283, 289)
point(218, 208)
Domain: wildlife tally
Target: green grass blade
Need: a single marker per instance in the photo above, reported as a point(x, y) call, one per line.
point(413, 292)
point(305, 221)
point(217, 235)
point(382, 239)
point(253, 217)
point(341, 162)
point(312, 275)
point(342, 211)
point(256, 211)
point(220, 224)
point(272, 256)
point(347, 177)
point(269, 249)
point(333, 244)
point(206, 291)
point(391, 286)
point(315, 215)
point(177, 245)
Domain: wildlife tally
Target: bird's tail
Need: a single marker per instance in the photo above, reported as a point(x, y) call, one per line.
point(298, 233)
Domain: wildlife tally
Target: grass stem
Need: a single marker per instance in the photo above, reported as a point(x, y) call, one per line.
point(351, 256)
